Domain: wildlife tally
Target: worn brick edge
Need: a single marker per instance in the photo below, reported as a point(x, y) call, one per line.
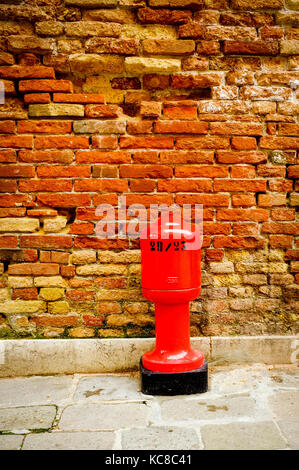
point(60, 356)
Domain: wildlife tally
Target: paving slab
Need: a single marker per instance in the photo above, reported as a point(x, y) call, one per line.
point(159, 438)
point(290, 430)
point(11, 442)
point(285, 404)
point(242, 436)
point(70, 441)
point(282, 377)
point(105, 417)
point(29, 417)
point(103, 387)
point(35, 390)
point(234, 380)
point(207, 409)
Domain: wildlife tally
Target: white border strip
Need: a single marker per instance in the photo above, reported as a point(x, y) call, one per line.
point(68, 356)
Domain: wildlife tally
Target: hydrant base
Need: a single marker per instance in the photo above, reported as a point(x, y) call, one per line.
point(174, 383)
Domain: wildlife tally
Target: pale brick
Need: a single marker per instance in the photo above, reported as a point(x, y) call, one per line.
point(222, 268)
point(99, 127)
point(130, 256)
point(91, 3)
point(99, 269)
point(140, 65)
point(92, 28)
point(89, 64)
point(18, 225)
point(54, 224)
point(59, 308)
point(149, 31)
point(19, 281)
point(22, 306)
point(50, 281)
point(56, 109)
point(51, 293)
point(84, 257)
point(30, 44)
point(290, 47)
point(49, 28)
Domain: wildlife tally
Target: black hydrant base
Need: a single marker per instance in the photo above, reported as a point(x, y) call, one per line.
point(175, 383)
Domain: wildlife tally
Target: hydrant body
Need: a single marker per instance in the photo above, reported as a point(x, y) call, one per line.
point(171, 278)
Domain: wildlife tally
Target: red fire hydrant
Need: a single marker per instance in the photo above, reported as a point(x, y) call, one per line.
point(171, 278)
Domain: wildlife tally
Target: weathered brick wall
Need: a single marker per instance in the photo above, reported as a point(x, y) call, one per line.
point(186, 101)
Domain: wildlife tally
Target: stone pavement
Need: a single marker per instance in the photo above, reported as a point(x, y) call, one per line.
point(246, 407)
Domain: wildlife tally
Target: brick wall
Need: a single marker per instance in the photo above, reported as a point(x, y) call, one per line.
point(186, 101)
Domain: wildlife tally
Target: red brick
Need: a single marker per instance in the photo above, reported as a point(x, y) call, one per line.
point(211, 228)
point(293, 171)
point(243, 143)
point(42, 212)
point(8, 186)
point(142, 185)
point(67, 271)
point(280, 241)
point(46, 156)
point(185, 186)
point(292, 255)
point(156, 82)
point(208, 200)
point(59, 142)
point(17, 200)
point(100, 244)
point(47, 127)
point(207, 142)
point(195, 81)
point(16, 141)
point(26, 86)
point(256, 215)
point(243, 200)
point(37, 98)
point(163, 16)
point(20, 71)
point(268, 171)
point(291, 228)
point(79, 171)
point(13, 212)
point(283, 143)
point(238, 242)
point(243, 229)
point(201, 171)
point(7, 127)
point(8, 156)
point(96, 156)
point(283, 213)
point(234, 128)
point(145, 171)
point(243, 172)
point(46, 185)
point(240, 185)
point(64, 200)
point(187, 157)
point(179, 112)
point(78, 98)
point(288, 129)
point(146, 142)
point(213, 254)
point(8, 241)
point(251, 47)
point(102, 111)
point(241, 157)
point(79, 295)
point(105, 142)
point(17, 171)
point(91, 320)
point(27, 293)
point(33, 269)
point(192, 30)
point(46, 241)
point(208, 48)
point(180, 127)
